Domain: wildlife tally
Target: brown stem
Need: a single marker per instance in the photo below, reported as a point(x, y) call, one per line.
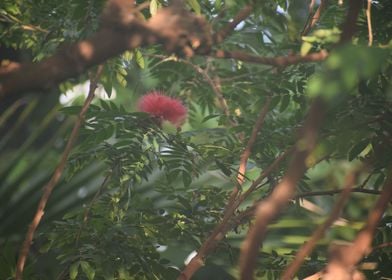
point(344, 258)
point(350, 24)
point(215, 86)
point(228, 29)
point(369, 21)
point(218, 232)
point(47, 190)
point(279, 61)
point(337, 191)
point(90, 206)
point(308, 247)
point(315, 18)
point(282, 193)
point(383, 245)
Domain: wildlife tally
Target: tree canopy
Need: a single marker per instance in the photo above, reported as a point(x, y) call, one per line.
point(195, 139)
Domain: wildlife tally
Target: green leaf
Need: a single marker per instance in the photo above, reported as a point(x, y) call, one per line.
point(305, 48)
point(139, 59)
point(108, 87)
point(73, 270)
point(357, 149)
point(88, 270)
point(128, 55)
point(71, 110)
point(194, 4)
point(154, 5)
point(121, 80)
point(284, 103)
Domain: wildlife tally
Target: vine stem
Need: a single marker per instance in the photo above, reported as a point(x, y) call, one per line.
point(48, 188)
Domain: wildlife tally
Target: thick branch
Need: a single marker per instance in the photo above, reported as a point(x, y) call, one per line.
point(350, 25)
point(282, 193)
point(183, 33)
point(47, 191)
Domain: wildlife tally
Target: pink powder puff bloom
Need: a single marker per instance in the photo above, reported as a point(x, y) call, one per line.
point(163, 107)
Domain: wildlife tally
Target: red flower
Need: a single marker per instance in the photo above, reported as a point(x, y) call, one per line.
point(163, 107)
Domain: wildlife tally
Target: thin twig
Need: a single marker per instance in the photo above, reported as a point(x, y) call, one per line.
point(337, 191)
point(369, 21)
point(308, 247)
point(217, 234)
point(382, 246)
point(279, 61)
point(283, 192)
point(90, 206)
point(228, 29)
point(315, 18)
point(215, 86)
point(47, 191)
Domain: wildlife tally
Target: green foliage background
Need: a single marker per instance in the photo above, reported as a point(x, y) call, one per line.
point(160, 192)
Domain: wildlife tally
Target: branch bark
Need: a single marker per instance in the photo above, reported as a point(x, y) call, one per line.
point(308, 247)
point(228, 29)
point(344, 258)
point(315, 18)
point(121, 30)
point(220, 230)
point(47, 191)
point(282, 193)
point(279, 61)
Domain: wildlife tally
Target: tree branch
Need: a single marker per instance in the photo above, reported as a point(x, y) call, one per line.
point(315, 18)
point(282, 193)
point(218, 232)
point(350, 24)
point(279, 61)
point(228, 29)
point(337, 191)
point(308, 247)
point(47, 191)
point(121, 30)
point(369, 21)
point(344, 258)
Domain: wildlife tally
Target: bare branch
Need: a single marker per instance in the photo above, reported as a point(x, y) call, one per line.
point(308, 247)
point(219, 231)
point(215, 86)
point(279, 61)
point(315, 18)
point(369, 21)
point(337, 191)
point(47, 191)
point(350, 25)
point(282, 193)
point(344, 258)
point(228, 29)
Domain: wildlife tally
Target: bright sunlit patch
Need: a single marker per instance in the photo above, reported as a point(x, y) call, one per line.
point(82, 192)
point(240, 26)
point(82, 90)
point(161, 248)
point(190, 257)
